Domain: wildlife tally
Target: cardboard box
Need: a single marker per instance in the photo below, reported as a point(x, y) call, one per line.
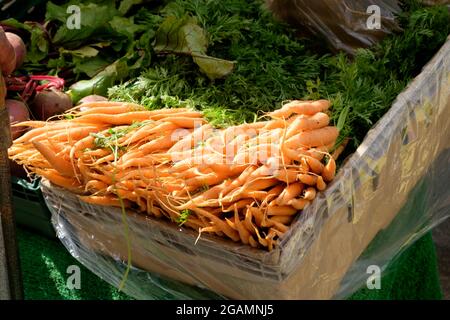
point(315, 259)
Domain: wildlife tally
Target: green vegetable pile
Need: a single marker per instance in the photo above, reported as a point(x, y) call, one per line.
point(229, 58)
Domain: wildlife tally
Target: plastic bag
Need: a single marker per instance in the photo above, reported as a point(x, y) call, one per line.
point(346, 25)
point(386, 196)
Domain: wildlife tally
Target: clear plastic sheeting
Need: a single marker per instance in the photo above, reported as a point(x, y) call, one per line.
point(346, 25)
point(391, 191)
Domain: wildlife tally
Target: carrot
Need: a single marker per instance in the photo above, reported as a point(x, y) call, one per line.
point(281, 210)
point(161, 143)
point(146, 131)
point(173, 160)
point(260, 184)
point(147, 173)
point(279, 228)
point(30, 123)
point(291, 191)
point(186, 122)
point(299, 204)
point(304, 166)
point(295, 154)
point(54, 177)
point(281, 219)
point(239, 205)
point(304, 123)
point(63, 167)
point(314, 138)
point(308, 179)
point(252, 242)
point(114, 119)
point(256, 195)
point(315, 165)
point(286, 175)
point(71, 134)
point(243, 233)
point(329, 170)
point(186, 114)
point(321, 185)
point(238, 182)
point(111, 109)
point(318, 153)
point(279, 123)
point(300, 107)
point(45, 129)
point(310, 193)
point(87, 142)
point(207, 179)
point(145, 161)
point(205, 196)
point(104, 104)
point(231, 223)
point(192, 139)
point(152, 210)
point(194, 159)
point(104, 201)
point(251, 212)
point(95, 185)
point(232, 234)
point(96, 152)
point(257, 154)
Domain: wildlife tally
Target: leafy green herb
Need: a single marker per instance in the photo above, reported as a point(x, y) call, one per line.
point(110, 140)
point(183, 217)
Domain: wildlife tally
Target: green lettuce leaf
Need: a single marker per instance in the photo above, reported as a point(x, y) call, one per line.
point(94, 23)
point(185, 36)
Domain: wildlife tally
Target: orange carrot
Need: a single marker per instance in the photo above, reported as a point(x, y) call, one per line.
point(291, 191)
point(299, 204)
point(308, 179)
point(321, 185)
point(54, 177)
point(161, 143)
point(304, 123)
point(314, 138)
point(300, 107)
point(288, 175)
point(111, 109)
point(310, 193)
point(63, 167)
point(87, 142)
point(329, 170)
point(104, 201)
point(281, 210)
point(243, 233)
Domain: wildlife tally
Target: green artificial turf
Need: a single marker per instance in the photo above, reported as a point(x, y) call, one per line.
point(413, 275)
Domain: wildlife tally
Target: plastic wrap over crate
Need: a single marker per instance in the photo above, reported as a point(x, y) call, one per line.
point(392, 190)
point(345, 25)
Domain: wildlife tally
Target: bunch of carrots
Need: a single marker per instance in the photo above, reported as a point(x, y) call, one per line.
point(245, 182)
